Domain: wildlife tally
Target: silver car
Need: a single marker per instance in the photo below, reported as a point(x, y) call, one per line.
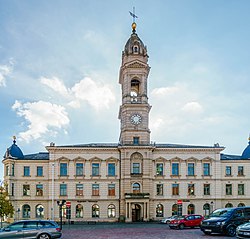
point(32, 229)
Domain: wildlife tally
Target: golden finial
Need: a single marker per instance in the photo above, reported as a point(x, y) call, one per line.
point(14, 139)
point(133, 26)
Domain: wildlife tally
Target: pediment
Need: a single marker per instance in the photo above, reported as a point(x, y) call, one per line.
point(136, 64)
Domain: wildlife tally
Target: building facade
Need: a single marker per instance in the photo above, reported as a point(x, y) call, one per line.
point(132, 180)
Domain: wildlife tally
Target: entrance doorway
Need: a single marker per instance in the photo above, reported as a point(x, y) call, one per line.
point(136, 213)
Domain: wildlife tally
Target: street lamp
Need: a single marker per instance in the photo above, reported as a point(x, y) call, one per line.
point(61, 204)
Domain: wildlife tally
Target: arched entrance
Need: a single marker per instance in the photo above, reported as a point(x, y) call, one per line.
point(136, 213)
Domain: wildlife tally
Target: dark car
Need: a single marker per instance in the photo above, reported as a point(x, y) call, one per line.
point(32, 229)
point(243, 231)
point(225, 220)
point(186, 221)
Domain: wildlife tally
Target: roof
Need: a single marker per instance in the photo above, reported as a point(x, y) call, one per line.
point(37, 156)
point(230, 157)
point(246, 152)
point(14, 151)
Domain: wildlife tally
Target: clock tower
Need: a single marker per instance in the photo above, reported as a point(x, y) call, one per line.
point(134, 111)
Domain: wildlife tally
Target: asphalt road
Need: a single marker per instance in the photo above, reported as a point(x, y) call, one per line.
point(132, 231)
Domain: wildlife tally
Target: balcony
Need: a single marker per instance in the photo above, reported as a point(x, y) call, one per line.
point(136, 195)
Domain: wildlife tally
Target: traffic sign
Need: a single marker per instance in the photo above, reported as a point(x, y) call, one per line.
point(179, 202)
point(68, 204)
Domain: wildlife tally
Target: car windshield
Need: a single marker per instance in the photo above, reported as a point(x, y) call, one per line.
point(225, 212)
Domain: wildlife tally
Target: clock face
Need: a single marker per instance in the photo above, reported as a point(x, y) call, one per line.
point(136, 119)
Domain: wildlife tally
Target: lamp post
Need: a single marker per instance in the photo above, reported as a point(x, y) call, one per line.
point(60, 204)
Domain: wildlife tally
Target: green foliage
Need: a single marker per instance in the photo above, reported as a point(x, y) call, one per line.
point(6, 208)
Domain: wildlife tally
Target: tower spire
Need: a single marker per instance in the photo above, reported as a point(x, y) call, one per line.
point(134, 17)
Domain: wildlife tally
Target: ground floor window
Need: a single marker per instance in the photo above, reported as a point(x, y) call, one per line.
point(206, 209)
point(229, 205)
point(241, 205)
point(159, 210)
point(79, 211)
point(95, 210)
point(111, 210)
point(191, 209)
point(175, 209)
point(39, 211)
point(26, 211)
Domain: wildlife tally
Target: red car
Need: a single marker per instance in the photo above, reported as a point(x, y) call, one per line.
point(191, 220)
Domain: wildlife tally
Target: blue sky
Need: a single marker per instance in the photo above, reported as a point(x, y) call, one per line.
point(60, 60)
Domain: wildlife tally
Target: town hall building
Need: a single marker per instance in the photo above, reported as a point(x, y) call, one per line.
point(131, 180)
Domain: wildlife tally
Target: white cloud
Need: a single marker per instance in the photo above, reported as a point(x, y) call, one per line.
point(164, 91)
point(192, 107)
point(97, 95)
point(94, 93)
point(5, 70)
point(43, 118)
point(55, 84)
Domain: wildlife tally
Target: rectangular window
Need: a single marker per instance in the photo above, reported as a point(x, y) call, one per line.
point(241, 189)
point(7, 170)
point(26, 190)
point(229, 189)
point(175, 169)
point(26, 171)
point(136, 168)
point(95, 190)
point(240, 171)
point(228, 171)
point(206, 169)
point(159, 189)
point(79, 189)
point(111, 169)
point(135, 140)
point(79, 169)
point(39, 190)
point(111, 189)
point(159, 169)
point(39, 171)
point(12, 189)
point(63, 169)
point(63, 189)
point(190, 189)
point(175, 189)
point(206, 189)
point(190, 169)
point(12, 169)
point(95, 169)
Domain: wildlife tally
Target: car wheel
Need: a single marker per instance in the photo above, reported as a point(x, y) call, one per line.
point(181, 226)
point(231, 231)
point(44, 236)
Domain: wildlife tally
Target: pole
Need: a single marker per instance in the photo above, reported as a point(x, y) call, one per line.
point(52, 193)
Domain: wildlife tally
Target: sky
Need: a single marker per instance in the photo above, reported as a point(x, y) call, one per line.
point(60, 60)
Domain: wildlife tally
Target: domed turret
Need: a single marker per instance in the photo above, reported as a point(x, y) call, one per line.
point(14, 151)
point(246, 152)
point(134, 45)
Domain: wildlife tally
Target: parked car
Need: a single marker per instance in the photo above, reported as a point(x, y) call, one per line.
point(168, 219)
point(32, 229)
point(243, 231)
point(225, 220)
point(191, 220)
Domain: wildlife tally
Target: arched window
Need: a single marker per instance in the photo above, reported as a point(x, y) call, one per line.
point(111, 210)
point(95, 211)
point(136, 188)
point(39, 211)
point(206, 209)
point(174, 209)
point(135, 90)
point(191, 209)
point(79, 211)
point(241, 205)
point(26, 211)
point(159, 210)
point(229, 205)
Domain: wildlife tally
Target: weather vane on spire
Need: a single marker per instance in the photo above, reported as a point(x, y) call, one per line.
point(134, 17)
point(133, 14)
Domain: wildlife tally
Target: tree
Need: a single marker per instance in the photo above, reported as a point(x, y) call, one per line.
point(6, 208)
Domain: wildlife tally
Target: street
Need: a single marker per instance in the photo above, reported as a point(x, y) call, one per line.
point(132, 231)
